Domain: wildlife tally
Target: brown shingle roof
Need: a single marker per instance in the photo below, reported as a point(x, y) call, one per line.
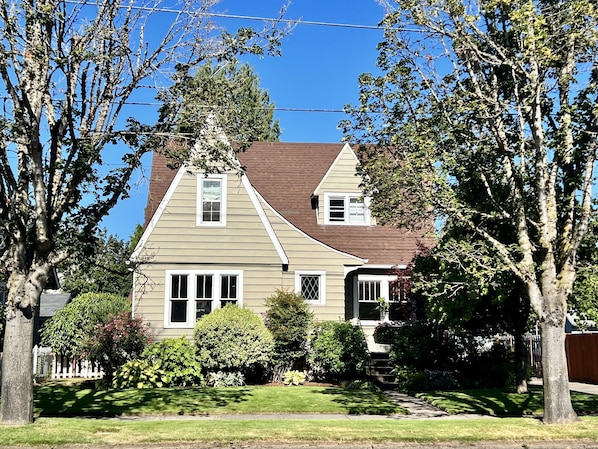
point(285, 175)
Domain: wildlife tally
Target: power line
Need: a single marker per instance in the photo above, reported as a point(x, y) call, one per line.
point(245, 17)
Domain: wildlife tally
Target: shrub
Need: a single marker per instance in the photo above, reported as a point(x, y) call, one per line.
point(139, 373)
point(234, 339)
point(226, 379)
point(294, 377)
point(427, 356)
point(178, 359)
point(410, 380)
point(339, 351)
point(289, 320)
point(67, 331)
point(120, 339)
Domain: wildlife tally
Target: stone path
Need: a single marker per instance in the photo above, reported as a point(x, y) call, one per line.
point(417, 408)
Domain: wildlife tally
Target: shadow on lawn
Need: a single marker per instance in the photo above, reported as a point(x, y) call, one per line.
point(358, 402)
point(70, 401)
point(499, 403)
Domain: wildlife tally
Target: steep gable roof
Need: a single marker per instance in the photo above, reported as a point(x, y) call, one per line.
point(286, 175)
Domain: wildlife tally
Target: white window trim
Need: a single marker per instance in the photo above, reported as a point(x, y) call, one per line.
point(199, 204)
point(346, 196)
point(322, 274)
point(191, 288)
point(384, 280)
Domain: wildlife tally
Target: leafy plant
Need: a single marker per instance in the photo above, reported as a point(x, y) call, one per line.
point(140, 373)
point(294, 377)
point(234, 339)
point(226, 379)
point(67, 331)
point(289, 319)
point(338, 351)
point(178, 359)
point(120, 339)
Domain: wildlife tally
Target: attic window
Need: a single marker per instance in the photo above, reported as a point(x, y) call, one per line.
point(346, 209)
point(211, 200)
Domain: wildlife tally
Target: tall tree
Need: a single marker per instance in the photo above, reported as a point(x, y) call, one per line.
point(502, 94)
point(68, 71)
point(105, 270)
point(229, 91)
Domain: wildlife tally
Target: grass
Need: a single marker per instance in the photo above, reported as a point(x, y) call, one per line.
point(59, 399)
point(61, 409)
point(53, 432)
point(500, 403)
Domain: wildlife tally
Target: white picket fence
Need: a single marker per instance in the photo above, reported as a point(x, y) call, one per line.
point(48, 365)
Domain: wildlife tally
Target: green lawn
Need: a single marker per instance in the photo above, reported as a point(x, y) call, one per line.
point(62, 408)
point(59, 399)
point(500, 403)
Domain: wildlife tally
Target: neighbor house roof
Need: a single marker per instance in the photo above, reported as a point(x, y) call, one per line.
point(286, 175)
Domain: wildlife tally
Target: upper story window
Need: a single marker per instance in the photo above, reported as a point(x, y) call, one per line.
point(312, 285)
point(211, 200)
point(348, 209)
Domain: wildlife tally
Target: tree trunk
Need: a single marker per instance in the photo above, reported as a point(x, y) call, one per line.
point(557, 397)
point(17, 365)
point(521, 364)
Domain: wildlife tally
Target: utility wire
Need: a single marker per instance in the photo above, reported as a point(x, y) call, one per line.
point(245, 17)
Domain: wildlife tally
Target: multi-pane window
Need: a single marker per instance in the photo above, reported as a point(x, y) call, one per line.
point(228, 289)
point(346, 209)
point(203, 295)
point(211, 202)
point(312, 285)
point(178, 298)
point(336, 209)
point(381, 298)
point(368, 293)
point(356, 210)
point(193, 294)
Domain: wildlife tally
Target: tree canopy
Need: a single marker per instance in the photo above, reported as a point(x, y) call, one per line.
point(104, 268)
point(499, 96)
point(69, 72)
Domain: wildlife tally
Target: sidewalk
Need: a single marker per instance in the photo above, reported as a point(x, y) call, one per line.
point(580, 387)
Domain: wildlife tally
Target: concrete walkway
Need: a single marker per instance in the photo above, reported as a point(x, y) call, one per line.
point(580, 387)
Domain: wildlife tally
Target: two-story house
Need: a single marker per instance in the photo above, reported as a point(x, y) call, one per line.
point(295, 219)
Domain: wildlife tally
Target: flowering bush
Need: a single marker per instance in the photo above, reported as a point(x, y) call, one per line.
point(294, 377)
point(113, 343)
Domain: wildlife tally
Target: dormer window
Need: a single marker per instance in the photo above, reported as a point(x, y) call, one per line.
point(346, 209)
point(211, 200)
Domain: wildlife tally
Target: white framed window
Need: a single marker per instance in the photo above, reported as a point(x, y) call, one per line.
point(312, 285)
point(369, 288)
point(193, 294)
point(211, 200)
point(346, 209)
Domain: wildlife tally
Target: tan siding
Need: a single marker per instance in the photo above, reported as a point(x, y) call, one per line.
point(176, 243)
point(342, 178)
point(343, 175)
point(306, 254)
point(176, 237)
point(258, 284)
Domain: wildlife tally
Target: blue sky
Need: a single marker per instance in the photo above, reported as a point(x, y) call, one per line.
point(318, 69)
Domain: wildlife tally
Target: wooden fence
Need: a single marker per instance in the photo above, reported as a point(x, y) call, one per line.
point(47, 365)
point(582, 357)
point(533, 345)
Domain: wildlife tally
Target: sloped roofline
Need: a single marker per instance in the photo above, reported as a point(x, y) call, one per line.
point(332, 166)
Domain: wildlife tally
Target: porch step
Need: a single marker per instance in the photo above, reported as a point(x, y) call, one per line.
point(380, 370)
